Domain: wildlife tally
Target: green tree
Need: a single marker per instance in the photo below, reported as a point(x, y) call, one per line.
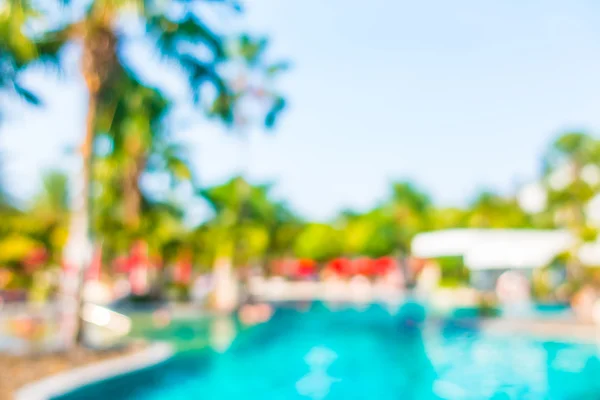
point(5, 198)
point(448, 218)
point(247, 223)
point(373, 234)
point(54, 197)
point(131, 147)
point(33, 238)
point(570, 156)
point(410, 208)
point(574, 148)
point(319, 242)
point(18, 50)
point(180, 36)
point(490, 210)
point(572, 179)
point(50, 210)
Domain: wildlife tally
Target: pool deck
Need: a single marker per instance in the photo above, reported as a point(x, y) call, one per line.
point(63, 383)
point(276, 289)
point(552, 329)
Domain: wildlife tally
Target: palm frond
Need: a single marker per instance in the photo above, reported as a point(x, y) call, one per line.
point(26, 94)
point(171, 34)
point(278, 106)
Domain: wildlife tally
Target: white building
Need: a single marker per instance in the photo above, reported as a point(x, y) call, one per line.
point(487, 253)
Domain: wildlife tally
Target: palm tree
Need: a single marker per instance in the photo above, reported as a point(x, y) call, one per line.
point(5, 200)
point(54, 197)
point(247, 227)
point(50, 210)
point(373, 234)
point(185, 40)
point(568, 189)
point(33, 238)
point(410, 208)
point(18, 50)
point(572, 178)
point(242, 211)
point(490, 210)
point(106, 74)
point(319, 242)
point(135, 139)
point(448, 217)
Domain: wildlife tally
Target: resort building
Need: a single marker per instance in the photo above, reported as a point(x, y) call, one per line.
point(488, 253)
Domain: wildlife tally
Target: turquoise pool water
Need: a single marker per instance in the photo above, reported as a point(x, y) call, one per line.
point(318, 353)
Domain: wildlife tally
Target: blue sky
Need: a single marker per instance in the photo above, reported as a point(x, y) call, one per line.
point(455, 95)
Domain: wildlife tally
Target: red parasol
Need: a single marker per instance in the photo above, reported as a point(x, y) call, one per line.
point(183, 273)
point(383, 265)
point(35, 259)
point(121, 265)
point(341, 266)
point(183, 269)
point(305, 268)
point(93, 272)
point(362, 266)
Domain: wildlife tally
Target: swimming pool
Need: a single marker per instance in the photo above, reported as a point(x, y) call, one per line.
point(314, 352)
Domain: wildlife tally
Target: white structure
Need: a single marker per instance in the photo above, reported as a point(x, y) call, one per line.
point(489, 252)
point(451, 242)
point(494, 248)
point(358, 290)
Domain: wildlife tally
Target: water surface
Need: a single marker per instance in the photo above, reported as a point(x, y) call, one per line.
point(314, 352)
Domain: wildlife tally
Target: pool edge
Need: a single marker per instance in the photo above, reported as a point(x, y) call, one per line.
point(66, 382)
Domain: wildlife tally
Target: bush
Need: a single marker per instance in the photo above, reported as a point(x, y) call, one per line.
point(453, 271)
point(487, 308)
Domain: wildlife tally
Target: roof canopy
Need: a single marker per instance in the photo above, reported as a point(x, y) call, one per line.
point(451, 242)
point(484, 249)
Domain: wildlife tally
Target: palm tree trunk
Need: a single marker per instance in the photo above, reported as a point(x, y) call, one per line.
point(132, 195)
point(79, 244)
point(86, 209)
point(131, 198)
point(78, 250)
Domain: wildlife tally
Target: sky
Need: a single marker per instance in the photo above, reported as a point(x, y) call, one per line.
point(456, 96)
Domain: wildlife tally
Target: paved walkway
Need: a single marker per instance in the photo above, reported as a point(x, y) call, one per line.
point(563, 329)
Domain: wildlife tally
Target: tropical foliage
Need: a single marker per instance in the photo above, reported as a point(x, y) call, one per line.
point(229, 77)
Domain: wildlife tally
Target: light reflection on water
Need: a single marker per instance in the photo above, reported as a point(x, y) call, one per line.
point(316, 384)
point(222, 333)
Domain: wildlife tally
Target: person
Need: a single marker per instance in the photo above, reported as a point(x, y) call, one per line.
point(252, 313)
point(201, 288)
point(513, 292)
point(161, 318)
point(583, 303)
